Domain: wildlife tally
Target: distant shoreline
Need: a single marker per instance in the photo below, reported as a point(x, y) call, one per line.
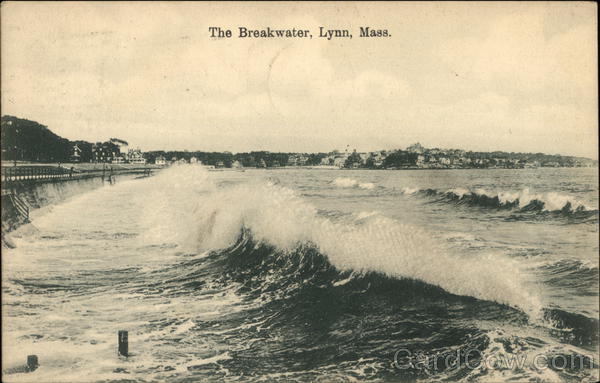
point(86, 167)
point(348, 169)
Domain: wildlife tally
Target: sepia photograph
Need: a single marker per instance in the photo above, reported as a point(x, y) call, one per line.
point(289, 191)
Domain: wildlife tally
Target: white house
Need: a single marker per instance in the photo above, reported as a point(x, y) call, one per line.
point(339, 161)
point(135, 157)
point(76, 156)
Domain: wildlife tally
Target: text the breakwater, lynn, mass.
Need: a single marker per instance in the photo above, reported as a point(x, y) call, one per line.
point(268, 32)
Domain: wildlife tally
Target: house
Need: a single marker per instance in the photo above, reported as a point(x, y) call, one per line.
point(415, 148)
point(339, 161)
point(193, 160)
point(76, 155)
point(292, 160)
point(297, 160)
point(135, 157)
point(103, 152)
point(327, 161)
point(236, 164)
point(302, 160)
point(160, 160)
point(121, 145)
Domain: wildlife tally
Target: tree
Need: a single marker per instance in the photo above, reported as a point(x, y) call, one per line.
point(400, 158)
point(352, 159)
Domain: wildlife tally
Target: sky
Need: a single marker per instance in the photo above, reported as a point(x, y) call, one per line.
point(482, 76)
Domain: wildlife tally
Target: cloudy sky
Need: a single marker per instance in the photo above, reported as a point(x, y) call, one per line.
point(485, 76)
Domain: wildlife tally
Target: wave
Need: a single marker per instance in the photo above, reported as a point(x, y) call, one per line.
point(582, 330)
point(523, 201)
point(343, 182)
point(205, 218)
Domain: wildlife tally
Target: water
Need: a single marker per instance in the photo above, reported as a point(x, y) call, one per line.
point(304, 275)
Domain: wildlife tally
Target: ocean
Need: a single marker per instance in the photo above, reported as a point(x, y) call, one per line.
point(311, 275)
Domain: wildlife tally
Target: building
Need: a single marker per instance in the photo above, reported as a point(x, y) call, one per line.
point(292, 160)
point(416, 148)
point(76, 155)
point(194, 160)
point(103, 152)
point(339, 161)
point(135, 156)
point(236, 164)
point(327, 161)
point(122, 145)
point(160, 160)
point(112, 151)
point(297, 160)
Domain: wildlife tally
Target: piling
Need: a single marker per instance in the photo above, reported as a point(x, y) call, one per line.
point(123, 343)
point(32, 362)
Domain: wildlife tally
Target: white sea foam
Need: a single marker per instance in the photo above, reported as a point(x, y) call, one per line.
point(552, 201)
point(409, 191)
point(460, 192)
point(343, 182)
point(365, 214)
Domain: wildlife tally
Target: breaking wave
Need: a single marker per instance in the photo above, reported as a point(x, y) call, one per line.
point(523, 201)
point(343, 182)
point(276, 216)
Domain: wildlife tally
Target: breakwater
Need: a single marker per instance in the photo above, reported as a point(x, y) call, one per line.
point(11, 175)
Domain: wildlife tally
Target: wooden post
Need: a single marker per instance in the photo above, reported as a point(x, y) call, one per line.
point(123, 343)
point(32, 362)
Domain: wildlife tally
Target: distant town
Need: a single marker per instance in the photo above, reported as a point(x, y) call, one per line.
point(29, 141)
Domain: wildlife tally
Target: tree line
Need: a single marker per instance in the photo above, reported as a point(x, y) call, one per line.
point(227, 159)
